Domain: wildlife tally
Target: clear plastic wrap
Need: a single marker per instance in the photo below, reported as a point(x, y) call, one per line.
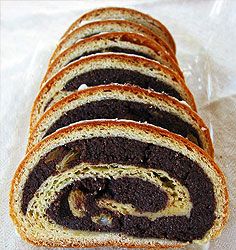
point(205, 37)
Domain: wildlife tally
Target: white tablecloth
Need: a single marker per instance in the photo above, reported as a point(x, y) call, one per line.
point(205, 35)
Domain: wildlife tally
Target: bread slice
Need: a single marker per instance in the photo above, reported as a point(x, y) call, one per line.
point(118, 183)
point(109, 68)
point(124, 102)
point(126, 14)
point(107, 26)
point(124, 42)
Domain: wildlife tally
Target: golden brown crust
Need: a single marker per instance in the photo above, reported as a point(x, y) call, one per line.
point(121, 36)
point(135, 60)
point(65, 243)
point(125, 23)
point(135, 90)
point(125, 124)
point(110, 243)
point(132, 12)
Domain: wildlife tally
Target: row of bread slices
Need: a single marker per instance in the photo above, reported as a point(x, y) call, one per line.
point(124, 47)
point(113, 63)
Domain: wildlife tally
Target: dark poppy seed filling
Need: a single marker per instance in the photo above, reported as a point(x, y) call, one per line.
point(47, 104)
point(115, 49)
point(44, 169)
point(143, 195)
point(136, 153)
point(121, 76)
point(114, 108)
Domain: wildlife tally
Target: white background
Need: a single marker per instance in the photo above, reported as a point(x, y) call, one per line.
point(205, 34)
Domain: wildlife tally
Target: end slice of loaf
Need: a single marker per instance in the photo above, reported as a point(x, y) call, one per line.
point(127, 14)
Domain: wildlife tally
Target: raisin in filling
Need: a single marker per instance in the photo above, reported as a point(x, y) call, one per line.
point(143, 195)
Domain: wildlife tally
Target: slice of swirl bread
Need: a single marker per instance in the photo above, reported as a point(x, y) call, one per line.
point(109, 68)
point(107, 26)
point(126, 14)
point(118, 183)
point(119, 42)
point(124, 102)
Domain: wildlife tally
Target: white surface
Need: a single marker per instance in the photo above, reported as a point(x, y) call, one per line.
point(206, 40)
